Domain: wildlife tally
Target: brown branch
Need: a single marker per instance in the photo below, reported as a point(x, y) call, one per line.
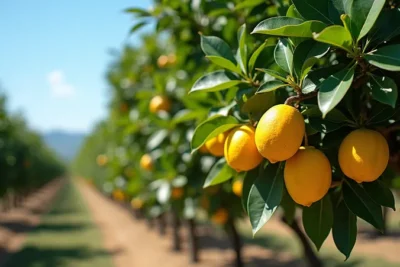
point(300, 97)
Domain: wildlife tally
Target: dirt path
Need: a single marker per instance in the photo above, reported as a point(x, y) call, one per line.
point(15, 223)
point(137, 246)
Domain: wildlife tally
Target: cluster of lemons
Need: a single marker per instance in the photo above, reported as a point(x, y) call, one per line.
point(363, 154)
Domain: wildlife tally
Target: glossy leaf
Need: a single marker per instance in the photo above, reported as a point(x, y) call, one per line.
point(258, 104)
point(387, 57)
point(363, 15)
point(318, 220)
point(258, 51)
point(270, 86)
point(215, 46)
point(305, 56)
point(242, 51)
point(156, 139)
point(290, 27)
point(219, 173)
point(292, 12)
point(337, 36)
point(344, 230)
point(361, 204)
point(137, 27)
point(284, 55)
point(223, 62)
point(387, 26)
point(248, 4)
point(383, 89)
point(380, 193)
point(215, 81)
point(248, 182)
point(289, 207)
point(314, 10)
point(211, 128)
point(275, 74)
point(265, 196)
point(333, 89)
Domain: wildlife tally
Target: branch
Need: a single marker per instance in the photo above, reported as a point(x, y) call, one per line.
point(298, 98)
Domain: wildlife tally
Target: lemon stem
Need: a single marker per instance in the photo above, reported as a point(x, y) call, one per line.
point(305, 139)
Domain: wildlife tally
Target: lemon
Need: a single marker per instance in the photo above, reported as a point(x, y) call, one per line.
point(240, 149)
point(279, 133)
point(220, 216)
point(177, 193)
point(162, 61)
point(101, 160)
point(216, 144)
point(146, 162)
point(237, 187)
point(137, 203)
point(363, 155)
point(159, 103)
point(308, 176)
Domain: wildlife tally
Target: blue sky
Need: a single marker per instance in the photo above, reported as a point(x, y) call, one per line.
point(53, 57)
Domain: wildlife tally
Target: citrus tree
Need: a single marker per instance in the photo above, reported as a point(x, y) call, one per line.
point(314, 125)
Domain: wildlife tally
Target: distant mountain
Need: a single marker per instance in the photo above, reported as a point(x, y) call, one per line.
point(65, 144)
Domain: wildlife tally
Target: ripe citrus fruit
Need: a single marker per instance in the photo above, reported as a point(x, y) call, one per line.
point(216, 144)
point(162, 61)
point(279, 133)
point(118, 195)
point(146, 162)
point(240, 149)
point(220, 216)
point(137, 203)
point(308, 176)
point(363, 155)
point(171, 59)
point(237, 187)
point(159, 103)
point(177, 193)
point(101, 160)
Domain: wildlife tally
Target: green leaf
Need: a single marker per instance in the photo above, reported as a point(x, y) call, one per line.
point(138, 11)
point(248, 182)
point(290, 27)
point(211, 128)
point(270, 86)
point(258, 104)
point(380, 193)
point(318, 220)
point(137, 26)
point(333, 89)
point(386, 27)
point(314, 10)
point(258, 51)
point(292, 12)
point(223, 62)
point(387, 57)
point(215, 81)
point(215, 46)
point(248, 4)
point(275, 74)
point(219, 173)
point(265, 196)
point(284, 56)
point(363, 15)
point(344, 230)
point(305, 56)
point(289, 207)
point(382, 114)
point(383, 89)
point(242, 51)
point(333, 121)
point(156, 139)
point(361, 204)
point(185, 115)
point(337, 36)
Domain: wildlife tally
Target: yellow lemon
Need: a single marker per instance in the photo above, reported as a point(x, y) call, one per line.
point(177, 193)
point(308, 176)
point(146, 162)
point(162, 61)
point(240, 149)
point(363, 155)
point(137, 203)
point(101, 160)
point(159, 103)
point(237, 187)
point(216, 145)
point(220, 216)
point(279, 133)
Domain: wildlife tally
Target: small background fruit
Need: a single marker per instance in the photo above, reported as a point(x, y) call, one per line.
point(177, 193)
point(240, 149)
point(159, 103)
point(363, 155)
point(237, 187)
point(279, 133)
point(308, 176)
point(220, 216)
point(146, 162)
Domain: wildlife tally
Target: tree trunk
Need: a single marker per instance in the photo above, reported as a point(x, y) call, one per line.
point(308, 252)
point(162, 224)
point(176, 225)
point(193, 242)
point(236, 242)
